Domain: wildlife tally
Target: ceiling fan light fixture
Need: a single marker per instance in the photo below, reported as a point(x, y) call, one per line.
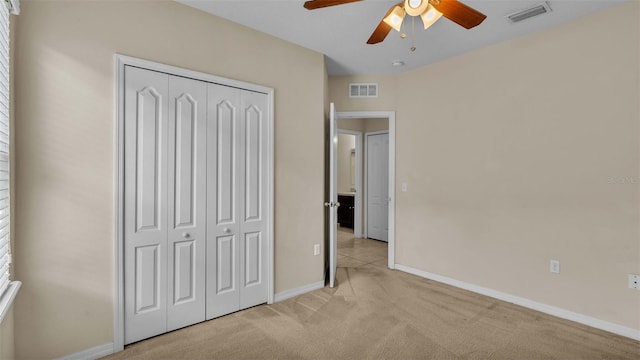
point(415, 7)
point(395, 17)
point(430, 16)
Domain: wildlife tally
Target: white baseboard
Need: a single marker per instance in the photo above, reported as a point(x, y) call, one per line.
point(284, 295)
point(547, 309)
point(91, 354)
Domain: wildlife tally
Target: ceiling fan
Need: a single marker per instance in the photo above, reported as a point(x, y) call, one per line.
point(429, 10)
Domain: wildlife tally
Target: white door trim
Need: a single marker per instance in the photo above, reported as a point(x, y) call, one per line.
point(357, 221)
point(391, 115)
point(118, 169)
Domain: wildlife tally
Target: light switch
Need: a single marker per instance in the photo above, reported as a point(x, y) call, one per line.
point(404, 187)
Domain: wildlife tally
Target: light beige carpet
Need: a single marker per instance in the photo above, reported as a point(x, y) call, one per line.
point(376, 313)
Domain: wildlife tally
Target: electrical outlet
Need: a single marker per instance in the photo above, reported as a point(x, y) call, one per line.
point(316, 249)
point(634, 281)
point(554, 266)
point(404, 187)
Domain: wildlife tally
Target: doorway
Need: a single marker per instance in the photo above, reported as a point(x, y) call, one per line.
point(350, 158)
point(346, 121)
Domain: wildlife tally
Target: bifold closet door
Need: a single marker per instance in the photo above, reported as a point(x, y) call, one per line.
point(145, 238)
point(236, 200)
point(196, 201)
point(254, 213)
point(165, 174)
point(186, 202)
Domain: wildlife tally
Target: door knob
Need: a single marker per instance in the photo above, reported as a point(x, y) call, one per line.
point(226, 231)
point(185, 234)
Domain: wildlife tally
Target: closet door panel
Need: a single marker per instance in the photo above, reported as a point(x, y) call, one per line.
point(225, 264)
point(186, 201)
point(253, 285)
point(147, 279)
point(222, 280)
point(223, 200)
point(226, 123)
point(145, 215)
point(252, 164)
point(184, 274)
point(147, 144)
point(252, 259)
point(185, 117)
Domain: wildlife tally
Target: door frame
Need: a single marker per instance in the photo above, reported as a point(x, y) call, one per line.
point(120, 61)
point(391, 116)
point(366, 176)
point(357, 221)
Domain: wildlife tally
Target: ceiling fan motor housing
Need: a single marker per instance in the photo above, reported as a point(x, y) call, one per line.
point(415, 7)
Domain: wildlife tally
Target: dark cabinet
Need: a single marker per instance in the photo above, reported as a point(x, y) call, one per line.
point(345, 210)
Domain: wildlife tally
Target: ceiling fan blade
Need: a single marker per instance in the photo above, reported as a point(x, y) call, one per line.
point(383, 29)
point(379, 33)
point(459, 13)
point(317, 4)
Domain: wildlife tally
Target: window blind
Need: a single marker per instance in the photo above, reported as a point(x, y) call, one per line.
point(4, 148)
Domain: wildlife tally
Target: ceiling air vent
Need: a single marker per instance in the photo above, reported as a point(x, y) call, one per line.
point(527, 13)
point(362, 90)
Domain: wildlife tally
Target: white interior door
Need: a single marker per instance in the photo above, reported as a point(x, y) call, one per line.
point(186, 204)
point(333, 204)
point(145, 216)
point(378, 186)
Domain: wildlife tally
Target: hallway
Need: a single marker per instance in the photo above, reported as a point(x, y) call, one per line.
point(354, 252)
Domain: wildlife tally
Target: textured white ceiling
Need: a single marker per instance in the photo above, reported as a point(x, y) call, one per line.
point(341, 32)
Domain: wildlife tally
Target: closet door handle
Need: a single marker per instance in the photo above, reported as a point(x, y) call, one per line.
point(185, 235)
point(226, 231)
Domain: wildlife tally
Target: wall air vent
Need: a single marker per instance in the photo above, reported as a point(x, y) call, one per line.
point(530, 12)
point(362, 90)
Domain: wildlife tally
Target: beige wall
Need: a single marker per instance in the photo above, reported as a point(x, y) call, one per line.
point(64, 149)
point(376, 125)
point(523, 152)
point(364, 125)
point(386, 100)
point(351, 124)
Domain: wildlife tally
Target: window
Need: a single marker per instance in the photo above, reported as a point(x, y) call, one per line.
point(8, 289)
